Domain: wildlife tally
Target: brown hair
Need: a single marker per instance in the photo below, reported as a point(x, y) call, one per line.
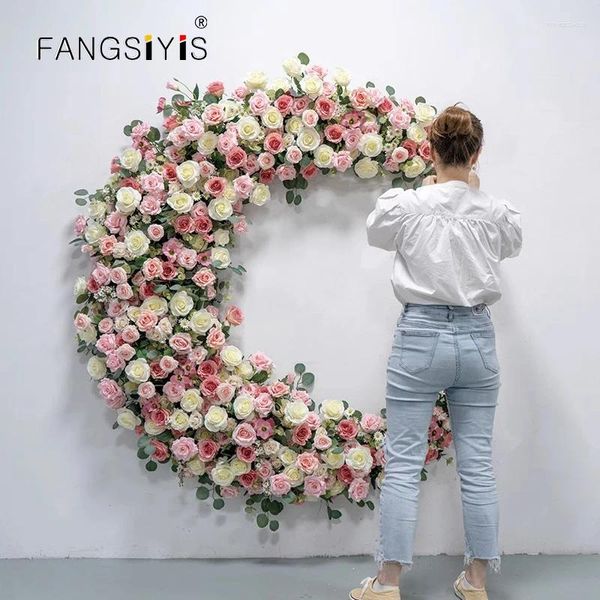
point(456, 135)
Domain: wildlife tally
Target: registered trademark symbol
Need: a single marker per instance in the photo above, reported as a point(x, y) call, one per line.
point(201, 22)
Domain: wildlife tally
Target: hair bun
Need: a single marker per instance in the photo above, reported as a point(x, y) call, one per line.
point(453, 122)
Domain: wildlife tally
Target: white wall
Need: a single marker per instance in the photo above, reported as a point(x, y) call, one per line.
point(71, 486)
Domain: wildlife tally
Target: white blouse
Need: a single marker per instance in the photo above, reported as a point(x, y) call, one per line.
point(449, 240)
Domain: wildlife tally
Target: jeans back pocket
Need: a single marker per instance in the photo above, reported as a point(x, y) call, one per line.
point(486, 344)
point(417, 348)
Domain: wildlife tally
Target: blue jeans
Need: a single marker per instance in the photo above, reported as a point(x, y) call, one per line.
point(452, 348)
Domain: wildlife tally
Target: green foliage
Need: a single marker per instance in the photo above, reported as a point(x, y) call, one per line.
point(303, 58)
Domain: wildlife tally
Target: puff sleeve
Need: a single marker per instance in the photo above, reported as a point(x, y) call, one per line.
point(511, 235)
point(383, 223)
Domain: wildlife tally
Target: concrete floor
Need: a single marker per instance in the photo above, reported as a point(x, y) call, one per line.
point(522, 578)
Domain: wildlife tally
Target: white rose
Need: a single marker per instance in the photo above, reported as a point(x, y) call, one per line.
point(245, 369)
point(366, 168)
point(190, 400)
point(256, 80)
point(413, 167)
point(180, 202)
point(207, 142)
point(424, 112)
point(127, 419)
point(260, 194)
point(138, 370)
point(295, 475)
point(221, 237)
point(279, 83)
point(201, 321)
point(231, 108)
point(337, 488)
point(271, 447)
point(272, 118)
point(96, 368)
point(88, 335)
point(308, 139)
point(231, 356)
point(128, 199)
point(181, 303)
point(248, 128)
point(188, 173)
point(324, 156)
point(215, 419)
point(243, 406)
point(370, 144)
point(359, 458)
point(136, 242)
point(293, 66)
point(239, 467)
point(311, 85)
point(179, 420)
point(220, 209)
point(294, 125)
point(152, 428)
point(156, 304)
point(97, 209)
point(222, 474)
point(332, 409)
point(296, 412)
point(131, 159)
point(79, 287)
point(196, 419)
point(93, 232)
point(416, 132)
point(220, 257)
point(341, 76)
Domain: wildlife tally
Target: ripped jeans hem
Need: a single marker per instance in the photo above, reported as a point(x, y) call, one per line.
point(493, 563)
point(380, 560)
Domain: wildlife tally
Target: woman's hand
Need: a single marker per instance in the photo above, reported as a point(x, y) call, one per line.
point(474, 179)
point(430, 180)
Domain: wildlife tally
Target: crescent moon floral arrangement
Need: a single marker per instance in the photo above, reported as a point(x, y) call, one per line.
point(154, 315)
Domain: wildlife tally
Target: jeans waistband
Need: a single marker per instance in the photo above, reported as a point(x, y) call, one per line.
point(446, 309)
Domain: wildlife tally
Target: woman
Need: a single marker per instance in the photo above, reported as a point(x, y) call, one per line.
point(449, 238)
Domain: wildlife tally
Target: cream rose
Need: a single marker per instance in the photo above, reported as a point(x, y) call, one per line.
point(294, 125)
point(222, 474)
point(311, 85)
point(293, 67)
point(414, 167)
point(332, 409)
point(272, 118)
point(243, 406)
point(220, 209)
point(128, 199)
point(239, 467)
point(256, 80)
point(201, 321)
point(215, 419)
point(220, 257)
point(207, 142)
point(131, 159)
point(308, 139)
point(138, 370)
point(366, 168)
point(296, 412)
point(188, 173)
point(231, 355)
point(190, 400)
point(324, 156)
point(136, 242)
point(196, 466)
point(295, 475)
point(127, 418)
point(248, 128)
point(93, 232)
point(333, 459)
point(181, 303)
point(179, 420)
point(416, 132)
point(359, 458)
point(157, 304)
point(180, 202)
point(424, 112)
point(96, 368)
point(341, 76)
point(221, 237)
point(260, 194)
point(245, 369)
point(370, 144)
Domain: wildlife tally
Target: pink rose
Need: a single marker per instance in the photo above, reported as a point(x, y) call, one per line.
point(342, 160)
point(236, 158)
point(293, 154)
point(207, 449)
point(359, 489)
point(184, 448)
point(168, 364)
point(245, 453)
point(301, 434)
point(234, 315)
point(106, 325)
point(307, 462)
point(146, 389)
point(314, 486)
point(264, 428)
point(111, 392)
point(322, 442)
point(360, 98)
point(212, 114)
point(260, 361)
point(181, 342)
point(155, 232)
point(225, 392)
point(243, 186)
point(244, 434)
point(325, 107)
point(215, 185)
point(146, 320)
point(264, 469)
point(399, 154)
point(263, 404)
point(259, 102)
point(215, 88)
point(204, 277)
point(216, 338)
point(347, 428)
point(229, 491)
point(371, 423)
point(279, 389)
point(280, 484)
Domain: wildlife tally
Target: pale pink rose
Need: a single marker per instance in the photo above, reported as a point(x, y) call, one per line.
point(371, 423)
point(280, 484)
point(207, 449)
point(130, 334)
point(150, 205)
point(314, 486)
point(307, 462)
point(215, 88)
point(301, 396)
point(111, 392)
point(181, 342)
point(184, 448)
point(360, 98)
point(168, 363)
point(114, 361)
point(206, 168)
point(126, 352)
point(236, 158)
point(124, 291)
point(279, 389)
point(230, 491)
point(408, 106)
point(301, 434)
point(106, 342)
point(226, 142)
point(106, 325)
point(263, 404)
point(193, 128)
point(352, 138)
point(293, 154)
point(259, 102)
point(310, 117)
point(286, 172)
point(240, 226)
point(146, 389)
point(79, 225)
point(187, 258)
point(225, 392)
point(391, 165)
point(322, 442)
point(116, 308)
point(173, 390)
point(399, 154)
point(198, 354)
point(370, 127)
point(399, 118)
point(425, 150)
point(107, 244)
point(152, 268)
point(204, 277)
point(376, 96)
point(146, 320)
point(342, 160)
point(244, 435)
point(152, 182)
point(82, 321)
point(317, 70)
point(313, 420)
point(212, 114)
point(359, 489)
point(234, 315)
point(266, 160)
point(118, 275)
point(261, 361)
point(264, 469)
point(243, 186)
point(215, 338)
point(325, 107)
point(115, 221)
point(101, 274)
point(155, 232)
point(241, 92)
point(299, 105)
